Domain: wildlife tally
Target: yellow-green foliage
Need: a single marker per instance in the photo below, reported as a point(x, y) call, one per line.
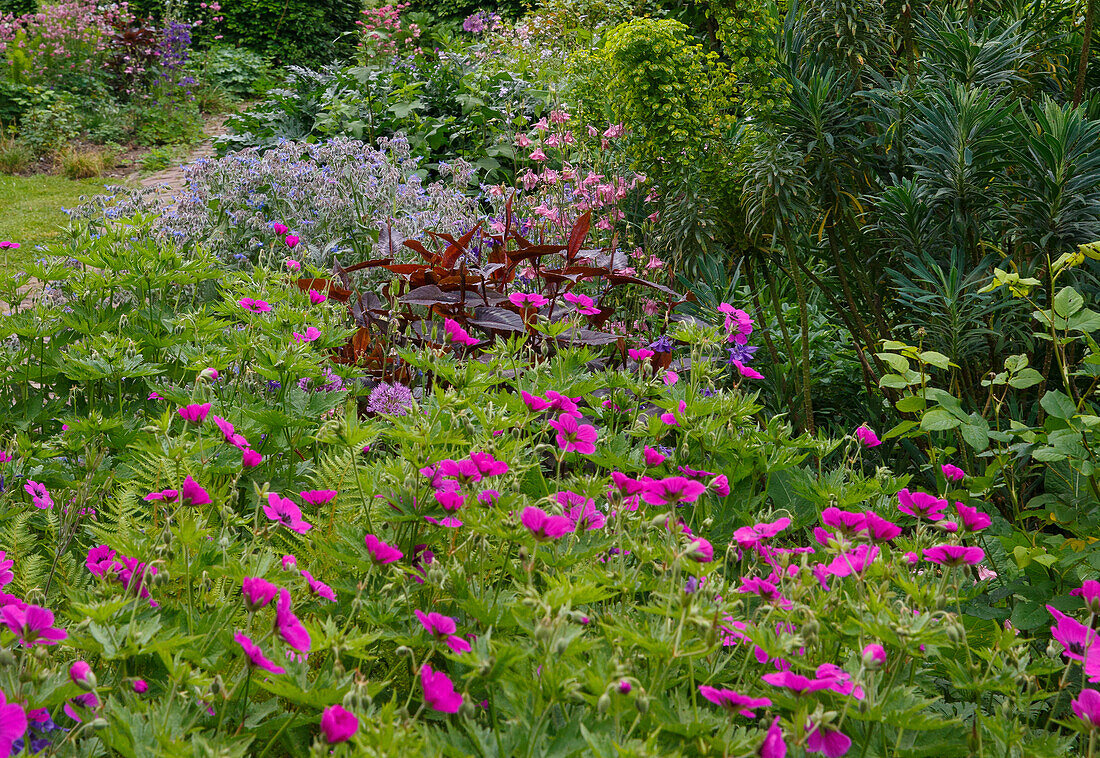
point(748, 31)
point(669, 92)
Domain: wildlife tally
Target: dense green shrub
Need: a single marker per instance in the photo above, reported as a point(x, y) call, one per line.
point(238, 71)
point(18, 7)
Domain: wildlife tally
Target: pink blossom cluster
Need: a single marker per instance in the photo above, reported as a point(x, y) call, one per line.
point(382, 32)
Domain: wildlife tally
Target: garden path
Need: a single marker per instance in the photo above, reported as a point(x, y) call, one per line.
point(167, 183)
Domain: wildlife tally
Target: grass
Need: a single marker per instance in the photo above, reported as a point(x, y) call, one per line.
point(32, 211)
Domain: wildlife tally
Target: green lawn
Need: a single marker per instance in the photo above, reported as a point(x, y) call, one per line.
point(30, 210)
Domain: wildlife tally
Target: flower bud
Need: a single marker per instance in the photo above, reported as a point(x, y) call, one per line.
point(642, 703)
point(603, 704)
point(874, 657)
point(98, 725)
point(467, 709)
point(81, 675)
point(404, 650)
point(217, 686)
point(561, 645)
point(6, 658)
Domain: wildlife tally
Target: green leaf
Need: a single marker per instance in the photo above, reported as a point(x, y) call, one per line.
point(938, 420)
point(1067, 302)
point(902, 428)
point(1029, 377)
point(1058, 404)
point(939, 360)
point(911, 404)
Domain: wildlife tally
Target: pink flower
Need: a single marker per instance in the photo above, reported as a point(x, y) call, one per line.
point(574, 436)
point(527, 300)
point(773, 745)
point(231, 436)
point(312, 334)
point(291, 241)
point(293, 265)
point(880, 529)
point(738, 324)
point(522, 140)
point(563, 403)
point(952, 473)
point(319, 588)
point(32, 624)
point(254, 306)
point(1086, 707)
point(450, 501)
point(673, 419)
point(734, 702)
point(972, 519)
point(640, 354)
point(283, 511)
point(653, 457)
point(6, 574)
point(672, 490)
point(256, 656)
point(141, 686)
point(954, 555)
point(439, 691)
point(250, 458)
point(338, 724)
point(586, 306)
point(318, 498)
point(5, 456)
point(874, 654)
point(754, 585)
point(796, 683)
point(754, 536)
point(544, 526)
point(830, 742)
point(152, 396)
point(1089, 591)
point(279, 229)
point(746, 371)
point(316, 298)
point(381, 553)
point(721, 485)
point(533, 402)
point(257, 592)
point(455, 333)
point(866, 437)
point(289, 561)
point(288, 625)
point(700, 550)
point(81, 673)
point(538, 155)
point(40, 496)
point(13, 724)
point(194, 413)
point(487, 465)
point(582, 511)
point(921, 505)
point(193, 493)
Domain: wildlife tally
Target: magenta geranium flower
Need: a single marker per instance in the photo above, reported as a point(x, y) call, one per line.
point(773, 746)
point(721, 485)
point(880, 529)
point(40, 496)
point(1071, 634)
point(700, 550)
point(316, 298)
point(450, 501)
point(874, 654)
point(767, 590)
point(853, 561)
point(291, 241)
point(746, 371)
point(585, 305)
point(673, 419)
point(672, 490)
point(952, 473)
point(194, 494)
point(439, 691)
point(312, 335)
point(13, 724)
point(4, 456)
point(845, 522)
point(280, 229)
point(250, 458)
point(732, 701)
point(1086, 707)
point(866, 437)
point(100, 560)
point(921, 505)
point(972, 519)
point(954, 555)
point(81, 673)
point(141, 686)
point(338, 724)
point(753, 536)
point(256, 656)
point(464, 471)
point(455, 333)
point(544, 526)
point(563, 403)
point(582, 511)
point(6, 574)
point(639, 354)
point(1089, 591)
point(283, 511)
point(257, 592)
point(288, 625)
point(652, 457)
point(194, 413)
point(231, 436)
point(436, 624)
point(796, 683)
point(32, 624)
point(738, 324)
point(575, 436)
point(254, 306)
point(319, 588)
point(829, 742)
point(487, 465)
point(527, 300)
point(625, 484)
point(380, 552)
point(533, 402)
point(318, 497)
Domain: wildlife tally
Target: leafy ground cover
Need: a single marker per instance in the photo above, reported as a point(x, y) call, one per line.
point(33, 211)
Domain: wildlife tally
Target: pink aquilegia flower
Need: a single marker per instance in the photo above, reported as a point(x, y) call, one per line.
point(256, 657)
point(1086, 707)
point(312, 334)
point(319, 588)
point(283, 511)
point(316, 298)
point(288, 625)
point(32, 624)
point(538, 155)
point(575, 436)
point(318, 498)
point(830, 742)
point(585, 305)
point(954, 555)
point(194, 413)
point(773, 746)
point(952, 473)
point(40, 496)
point(921, 505)
point(254, 306)
point(455, 333)
point(673, 490)
point(257, 592)
point(652, 457)
point(732, 701)
point(381, 553)
point(866, 437)
point(544, 526)
point(338, 724)
point(527, 300)
point(972, 519)
point(13, 724)
point(439, 691)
